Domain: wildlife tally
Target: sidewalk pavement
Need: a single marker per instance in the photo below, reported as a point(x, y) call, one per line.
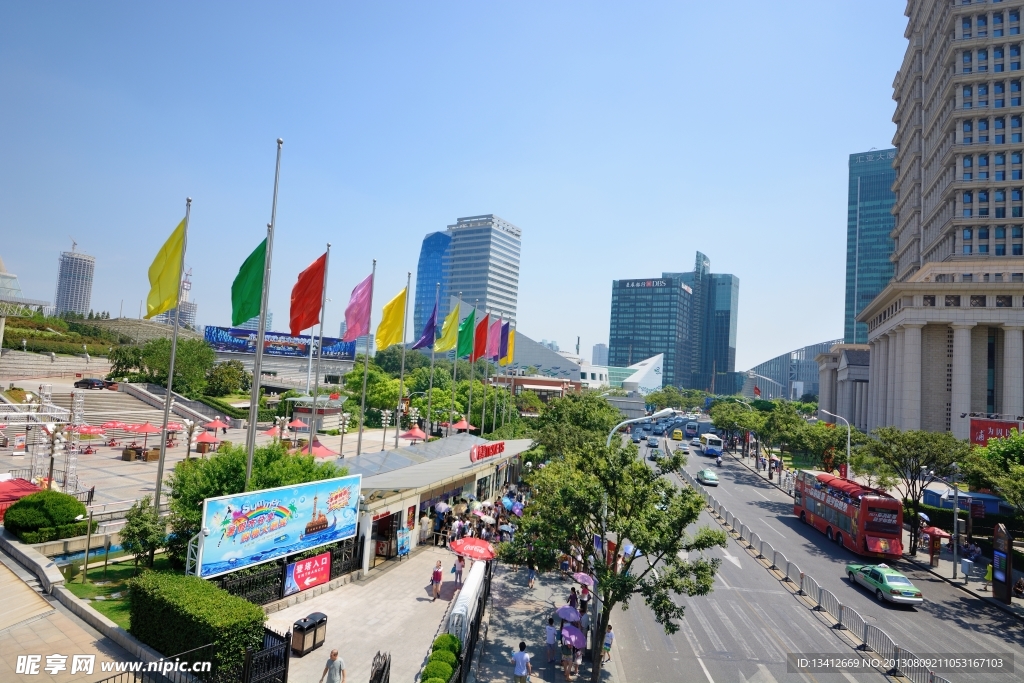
point(516, 613)
point(390, 611)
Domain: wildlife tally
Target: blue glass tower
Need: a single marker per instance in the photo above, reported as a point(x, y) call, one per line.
point(431, 270)
point(868, 245)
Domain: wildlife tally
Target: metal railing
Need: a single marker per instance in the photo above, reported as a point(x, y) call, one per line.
point(828, 601)
point(851, 620)
point(811, 589)
point(877, 640)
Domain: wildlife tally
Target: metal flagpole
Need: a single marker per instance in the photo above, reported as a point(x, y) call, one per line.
point(319, 348)
point(401, 374)
point(309, 361)
point(472, 372)
point(494, 415)
point(257, 367)
point(366, 361)
point(483, 406)
point(169, 398)
point(455, 373)
point(430, 390)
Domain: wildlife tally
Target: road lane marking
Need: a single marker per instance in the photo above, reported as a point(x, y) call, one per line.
point(706, 672)
point(719, 577)
point(692, 637)
point(761, 494)
point(732, 558)
point(773, 528)
point(711, 634)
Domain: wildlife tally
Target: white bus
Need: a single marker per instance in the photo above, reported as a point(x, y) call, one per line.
point(710, 444)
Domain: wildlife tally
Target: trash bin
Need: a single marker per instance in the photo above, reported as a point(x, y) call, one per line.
point(966, 566)
point(319, 620)
point(303, 632)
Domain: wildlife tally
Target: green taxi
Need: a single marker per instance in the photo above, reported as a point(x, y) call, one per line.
point(885, 582)
point(707, 477)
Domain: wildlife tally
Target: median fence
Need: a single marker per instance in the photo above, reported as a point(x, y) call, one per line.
point(872, 638)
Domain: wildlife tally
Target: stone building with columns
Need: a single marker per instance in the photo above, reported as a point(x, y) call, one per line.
point(843, 387)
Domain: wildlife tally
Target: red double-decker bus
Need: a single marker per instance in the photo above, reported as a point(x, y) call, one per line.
point(864, 520)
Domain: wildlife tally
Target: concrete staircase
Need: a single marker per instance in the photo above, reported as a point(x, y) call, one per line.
point(101, 406)
point(15, 365)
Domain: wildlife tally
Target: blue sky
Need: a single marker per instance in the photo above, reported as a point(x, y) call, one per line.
point(621, 137)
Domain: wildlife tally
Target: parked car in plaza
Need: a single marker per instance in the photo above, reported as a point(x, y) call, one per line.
point(90, 383)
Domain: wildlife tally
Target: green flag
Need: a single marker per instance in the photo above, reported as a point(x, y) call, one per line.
point(466, 328)
point(247, 289)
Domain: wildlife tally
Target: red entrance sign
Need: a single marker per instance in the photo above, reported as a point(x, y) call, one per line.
point(480, 452)
point(308, 573)
point(982, 430)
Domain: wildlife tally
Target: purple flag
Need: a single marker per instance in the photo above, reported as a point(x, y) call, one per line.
point(357, 313)
point(426, 339)
point(503, 350)
point(494, 339)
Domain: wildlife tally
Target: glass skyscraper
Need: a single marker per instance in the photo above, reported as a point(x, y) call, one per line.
point(868, 245)
point(649, 317)
point(431, 270)
point(483, 264)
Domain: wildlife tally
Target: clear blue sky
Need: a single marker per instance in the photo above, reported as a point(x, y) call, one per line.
point(621, 137)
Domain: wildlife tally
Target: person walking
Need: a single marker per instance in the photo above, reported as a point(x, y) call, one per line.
point(335, 669)
point(460, 564)
point(435, 579)
point(521, 661)
point(566, 658)
point(532, 576)
point(609, 637)
point(585, 626)
point(550, 640)
point(574, 599)
point(584, 598)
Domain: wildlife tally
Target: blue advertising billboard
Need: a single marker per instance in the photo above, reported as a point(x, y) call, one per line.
point(247, 529)
point(236, 340)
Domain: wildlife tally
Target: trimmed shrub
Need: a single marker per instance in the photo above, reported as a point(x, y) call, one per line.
point(437, 670)
point(45, 509)
point(435, 680)
point(447, 641)
point(46, 534)
point(445, 656)
point(943, 518)
point(174, 614)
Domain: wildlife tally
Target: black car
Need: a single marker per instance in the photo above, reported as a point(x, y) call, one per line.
point(638, 436)
point(659, 430)
point(90, 383)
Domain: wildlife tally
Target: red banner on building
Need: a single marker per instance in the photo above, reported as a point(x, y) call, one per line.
point(983, 429)
point(482, 451)
point(307, 573)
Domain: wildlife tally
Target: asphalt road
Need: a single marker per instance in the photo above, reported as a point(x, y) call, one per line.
point(950, 622)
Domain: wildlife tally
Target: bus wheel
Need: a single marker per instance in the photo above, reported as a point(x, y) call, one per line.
point(828, 532)
point(839, 539)
point(803, 517)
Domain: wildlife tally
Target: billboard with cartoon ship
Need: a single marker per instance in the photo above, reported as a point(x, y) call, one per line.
point(247, 529)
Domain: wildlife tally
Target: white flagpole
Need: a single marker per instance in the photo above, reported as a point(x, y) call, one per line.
point(319, 348)
point(455, 370)
point(430, 390)
point(472, 372)
point(401, 374)
point(257, 366)
point(168, 398)
point(483, 406)
point(366, 361)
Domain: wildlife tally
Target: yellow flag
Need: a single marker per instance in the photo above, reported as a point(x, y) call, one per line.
point(165, 274)
point(507, 360)
point(449, 332)
point(392, 324)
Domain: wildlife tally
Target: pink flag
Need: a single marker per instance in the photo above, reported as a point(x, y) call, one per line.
point(357, 313)
point(494, 340)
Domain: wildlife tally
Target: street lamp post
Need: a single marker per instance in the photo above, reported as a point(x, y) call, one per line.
point(345, 417)
point(822, 410)
point(951, 482)
point(746, 439)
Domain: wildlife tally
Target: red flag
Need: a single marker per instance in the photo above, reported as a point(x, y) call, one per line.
point(307, 296)
point(757, 391)
point(480, 339)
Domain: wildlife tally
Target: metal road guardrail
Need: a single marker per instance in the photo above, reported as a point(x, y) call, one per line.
point(872, 637)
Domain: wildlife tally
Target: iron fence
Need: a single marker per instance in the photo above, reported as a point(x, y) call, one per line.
point(793, 573)
point(754, 541)
point(260, 587)
point(779, 561)
point(878, 641)
point(380, 670)
point(269, 664)
point(766, 551)
point(828, 601)
point(851, 620)
point(810, 588)
point(904, 663)
point(346, 557)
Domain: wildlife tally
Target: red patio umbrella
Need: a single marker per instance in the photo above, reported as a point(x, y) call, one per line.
point(216, 424)
point(114, 424)
point(297, 424)
point(319, 450)
point(175, 427)
point(206, 437)
point(147, 429)
point(462, 424)
point(415, 434)
point(473, 548)
point(273, 432)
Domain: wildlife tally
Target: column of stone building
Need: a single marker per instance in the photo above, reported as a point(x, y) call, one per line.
point(882, 379)
point(1013, 371)
point(890, 379)
point(912, 376)
point(960, 396)
point(862, 406)
point(825, 392)
point(872, 384)
point(897, 413)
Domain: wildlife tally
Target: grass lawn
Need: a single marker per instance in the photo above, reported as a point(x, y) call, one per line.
point(109, 596)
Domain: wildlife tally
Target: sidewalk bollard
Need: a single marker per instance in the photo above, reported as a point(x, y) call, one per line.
point(801, 591)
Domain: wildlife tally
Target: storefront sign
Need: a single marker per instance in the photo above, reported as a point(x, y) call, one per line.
point(404, 543)
point(236, 340)
point(978, 509)
point(251, 528)
point(305, 574)
point(381, 515)
point(983, 429)
point(1002, 564)
point(410, 517)
point(480, 452)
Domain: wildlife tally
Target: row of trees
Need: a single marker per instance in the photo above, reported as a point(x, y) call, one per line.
point(588, 489)
point(196, 372)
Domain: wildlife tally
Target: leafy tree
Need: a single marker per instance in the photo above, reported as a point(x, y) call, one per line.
point(193, 360)
point(1000, 465)
point(124, 360)
point(782, 426)
point(871, 469)
point(910, 457)
point(441, 405)
point(390, 360)
point(143, 532)
point(809, 398)
point(566, 424)
point(529, 402)
point(826, 443)
point(223, 473)
point(226, 378)
point(590, 489)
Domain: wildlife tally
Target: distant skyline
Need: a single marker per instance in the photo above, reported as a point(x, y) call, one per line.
point(620, 138)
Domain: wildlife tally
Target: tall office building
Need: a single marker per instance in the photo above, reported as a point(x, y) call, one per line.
point(483, 264)
point(945, 336)
point(714, 315)
point(599, 356)
point(430, 272)
point(868, 245)
point(253, 323)
point(651, 317)
point(74, 282)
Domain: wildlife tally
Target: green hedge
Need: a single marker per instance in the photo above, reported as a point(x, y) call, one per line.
point(445, 656)
point(447, 641)
point(437, 670)
point(262, 415)
point(174, 613)
point(943, 518)
point(435, 680)
point(46, 534)
point(42, 510)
